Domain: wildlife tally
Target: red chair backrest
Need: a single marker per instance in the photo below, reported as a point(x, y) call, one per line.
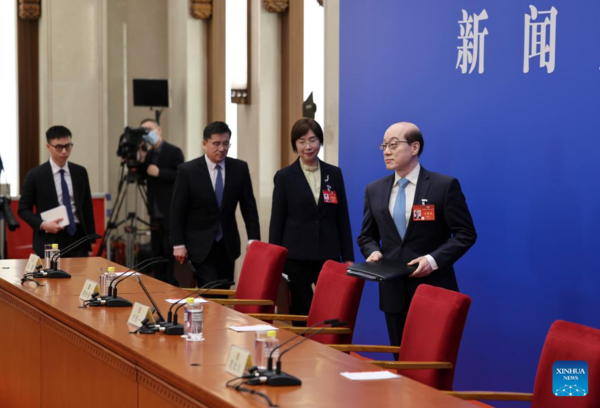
point(568, 341)
point(260, 275)
point(337, 296)
point(433, 330)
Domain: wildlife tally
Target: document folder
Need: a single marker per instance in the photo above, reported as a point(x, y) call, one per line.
point(381, 271)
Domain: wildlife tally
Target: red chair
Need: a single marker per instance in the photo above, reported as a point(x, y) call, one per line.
point(259, 280)
point(431, 338)
point(565, 341)
point(337, 296)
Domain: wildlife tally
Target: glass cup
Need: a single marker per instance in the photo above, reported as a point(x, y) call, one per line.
point(48, 252)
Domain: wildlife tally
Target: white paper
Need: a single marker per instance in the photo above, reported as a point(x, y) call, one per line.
point(196, 300)
point(253, 328)
point(55, 214)
point(117, 274)
point(370, 375)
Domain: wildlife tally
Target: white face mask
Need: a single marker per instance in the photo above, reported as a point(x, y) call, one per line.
point(151, 137)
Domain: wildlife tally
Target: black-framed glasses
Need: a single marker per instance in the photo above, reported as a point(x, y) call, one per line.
point(59, 148)
point(392, 145)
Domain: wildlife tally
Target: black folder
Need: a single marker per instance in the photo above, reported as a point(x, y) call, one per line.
point(384, 270)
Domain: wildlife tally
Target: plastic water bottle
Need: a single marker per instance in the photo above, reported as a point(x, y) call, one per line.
point(271, 343)
point(110, 275)
point(50, 254)
point(194, 312)
point(260, 346)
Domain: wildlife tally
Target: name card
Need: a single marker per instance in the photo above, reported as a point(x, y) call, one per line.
point(33, 261)
point(89, 287)
point(139, 313)
point(238, 361)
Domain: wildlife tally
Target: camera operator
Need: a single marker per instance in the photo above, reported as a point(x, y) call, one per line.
point(159, 169)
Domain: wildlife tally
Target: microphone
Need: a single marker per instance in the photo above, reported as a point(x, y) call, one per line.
point(160, 316)
point(117, 301)
point(175, 328)
point(54, 272)
point(278, 378)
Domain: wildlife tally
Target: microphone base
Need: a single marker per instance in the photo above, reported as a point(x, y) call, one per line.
point(174, 330)
point(57, 274)
point(283, 379)
point(118, 302)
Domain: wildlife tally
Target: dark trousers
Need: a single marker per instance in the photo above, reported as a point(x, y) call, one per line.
point(161, 246)
point(302, 275)
point(67, 240)
point(216, 266)
point(395, 325)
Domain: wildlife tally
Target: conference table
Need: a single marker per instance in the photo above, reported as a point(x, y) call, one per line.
point(54, 353)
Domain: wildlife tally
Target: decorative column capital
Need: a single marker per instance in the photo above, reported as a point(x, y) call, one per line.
point(201, 9)
point(29, 9)
point(276, 6)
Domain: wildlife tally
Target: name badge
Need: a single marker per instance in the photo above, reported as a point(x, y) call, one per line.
point(238, 361)
point(89, 287)
point(330, 197)
point(424, 212)
point(139, 313)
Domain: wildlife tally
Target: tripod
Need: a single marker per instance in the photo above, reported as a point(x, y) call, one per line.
point(126, 179)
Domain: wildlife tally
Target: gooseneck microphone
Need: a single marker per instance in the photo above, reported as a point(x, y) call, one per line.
point(174, 328)
point(117, 301)
point(278, 378)
point(54, 272)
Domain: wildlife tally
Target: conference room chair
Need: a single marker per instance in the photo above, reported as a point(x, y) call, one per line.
point(565, 342)
point(337, 296)
point(431, 339)
point(259, 280)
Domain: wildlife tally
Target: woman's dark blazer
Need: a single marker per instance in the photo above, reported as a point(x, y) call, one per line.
point(310, 231)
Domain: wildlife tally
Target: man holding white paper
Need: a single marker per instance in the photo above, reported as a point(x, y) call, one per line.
point(56, 183)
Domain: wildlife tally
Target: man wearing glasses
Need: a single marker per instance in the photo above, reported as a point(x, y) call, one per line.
point(206, 194)
point(58, 182)
point(413, 216)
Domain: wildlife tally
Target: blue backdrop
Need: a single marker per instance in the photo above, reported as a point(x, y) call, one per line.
point(523, 145)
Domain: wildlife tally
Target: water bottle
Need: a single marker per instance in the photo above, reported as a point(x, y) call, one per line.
point(260, 345)
point(271, 343)
point(110, 275)
point(194, 312)
point(52, 253)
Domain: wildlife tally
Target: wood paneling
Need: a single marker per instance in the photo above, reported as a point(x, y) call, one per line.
point(292, 75)
point(216, 63)
point(29, 96)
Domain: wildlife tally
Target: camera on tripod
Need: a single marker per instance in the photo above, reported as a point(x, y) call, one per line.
point(129, 144)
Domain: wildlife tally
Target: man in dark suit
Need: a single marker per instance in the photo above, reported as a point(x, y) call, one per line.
point(159, 169)
point(206, 195)
point(58, 182)
point(435, 241)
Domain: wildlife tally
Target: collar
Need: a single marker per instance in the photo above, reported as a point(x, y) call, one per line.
point(412, 177)
point(56, 168)
point(212, 165)
point(306, 167)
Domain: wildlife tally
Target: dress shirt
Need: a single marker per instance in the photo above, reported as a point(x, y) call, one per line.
point(410, 190)
point(56, 174)
point(212, 171)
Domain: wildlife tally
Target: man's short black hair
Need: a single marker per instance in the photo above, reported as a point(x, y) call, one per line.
point(56, 132)
point(216, 128)
point(414, 135)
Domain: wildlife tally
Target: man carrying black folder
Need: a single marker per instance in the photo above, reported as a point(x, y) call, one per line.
point(414, 217)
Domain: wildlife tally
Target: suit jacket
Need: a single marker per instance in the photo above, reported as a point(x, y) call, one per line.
point(195, 214)
point(310, 231)
point(39, 191)
point(446, 239)
point(160, 189)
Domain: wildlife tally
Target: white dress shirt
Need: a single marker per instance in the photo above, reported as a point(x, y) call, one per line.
point(56, 173)
point(410, 190)
point(213, 172)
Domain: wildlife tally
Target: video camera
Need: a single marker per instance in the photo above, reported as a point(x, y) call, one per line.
point(7, 213)
point(129, 144)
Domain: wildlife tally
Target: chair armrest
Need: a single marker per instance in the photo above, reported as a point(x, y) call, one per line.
point(490, 395)
point(273, 316)
point(257, 302)
point(364, 347)
point(412, 365)
point(327, 330)
point(221, 292)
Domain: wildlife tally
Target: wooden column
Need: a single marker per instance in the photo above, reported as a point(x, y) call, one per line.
point(292, 75)
point(29, 94)
point(216, 63)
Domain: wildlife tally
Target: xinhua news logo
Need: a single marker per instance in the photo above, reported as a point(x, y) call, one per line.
point(570, 378)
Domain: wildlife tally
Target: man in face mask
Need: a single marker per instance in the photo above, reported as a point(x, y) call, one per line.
point(159, 168)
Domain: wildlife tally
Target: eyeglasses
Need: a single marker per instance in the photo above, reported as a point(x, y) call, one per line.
point(392, 145)
point(312, 142)
point(226, 145)
point(59, 148)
